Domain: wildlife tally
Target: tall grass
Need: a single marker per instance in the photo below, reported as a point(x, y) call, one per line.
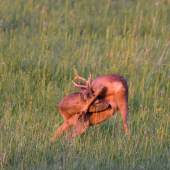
point(40, 44)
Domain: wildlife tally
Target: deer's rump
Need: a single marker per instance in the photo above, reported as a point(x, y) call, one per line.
point(112, 83)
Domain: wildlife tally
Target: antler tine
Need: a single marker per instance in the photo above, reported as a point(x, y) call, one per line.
point(77, 85)
point(88, 84)
point(78, 77)
point(83, 86)
point(83, 79)
point(89, 79)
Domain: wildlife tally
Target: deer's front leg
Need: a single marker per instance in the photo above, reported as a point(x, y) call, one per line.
point(67, 124)
point(79, 128)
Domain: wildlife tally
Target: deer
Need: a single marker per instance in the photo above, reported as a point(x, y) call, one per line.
point(96, 102)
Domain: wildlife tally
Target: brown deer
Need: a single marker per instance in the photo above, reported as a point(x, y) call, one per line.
point(94, 104)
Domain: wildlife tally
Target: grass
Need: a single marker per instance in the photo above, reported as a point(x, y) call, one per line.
point(40, 44)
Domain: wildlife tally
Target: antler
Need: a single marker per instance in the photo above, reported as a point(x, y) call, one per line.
point(86, 81)
point(93, 97)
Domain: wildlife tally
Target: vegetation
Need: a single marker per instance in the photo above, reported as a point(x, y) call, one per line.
point(40, 44)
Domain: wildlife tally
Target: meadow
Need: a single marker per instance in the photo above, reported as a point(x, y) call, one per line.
point(40, 44)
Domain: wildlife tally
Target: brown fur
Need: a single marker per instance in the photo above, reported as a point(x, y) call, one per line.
point(113, 97)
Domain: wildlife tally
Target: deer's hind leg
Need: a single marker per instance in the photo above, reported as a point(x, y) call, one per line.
point(122, 102)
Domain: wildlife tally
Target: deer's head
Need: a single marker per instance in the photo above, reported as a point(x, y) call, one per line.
point(84, 93)
point(85, 90)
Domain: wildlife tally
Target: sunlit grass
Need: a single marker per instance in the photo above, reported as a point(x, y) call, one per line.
point(40, 44)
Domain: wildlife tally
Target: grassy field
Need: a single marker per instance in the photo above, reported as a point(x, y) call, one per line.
point(40, 44)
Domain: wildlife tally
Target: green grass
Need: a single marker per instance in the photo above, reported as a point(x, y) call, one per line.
point(40, 44)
